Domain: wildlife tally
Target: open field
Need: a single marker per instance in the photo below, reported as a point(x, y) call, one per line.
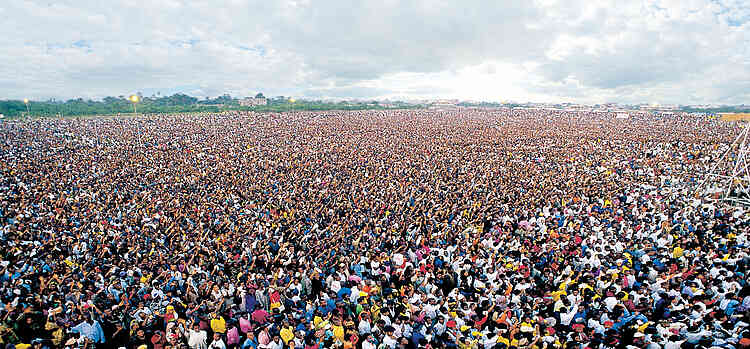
point(735, 117)
point(221, 219)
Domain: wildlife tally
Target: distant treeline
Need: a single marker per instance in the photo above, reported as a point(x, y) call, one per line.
point(723, 109)
point(177, 103)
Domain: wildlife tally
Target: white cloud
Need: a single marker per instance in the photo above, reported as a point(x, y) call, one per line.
point(674, 51)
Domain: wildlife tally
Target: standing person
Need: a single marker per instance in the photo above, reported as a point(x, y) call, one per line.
point(389, 340)
point(120, 336)
point(196, 338)
point(91, 329)
point(218, 324)
point(217, 343)
point(250, 342)
point(370, 342)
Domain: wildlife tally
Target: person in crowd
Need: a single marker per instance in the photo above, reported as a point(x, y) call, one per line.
point(472, 228)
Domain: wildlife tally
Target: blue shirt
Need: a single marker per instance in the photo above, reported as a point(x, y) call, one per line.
point(249, 344)
point(93, 332)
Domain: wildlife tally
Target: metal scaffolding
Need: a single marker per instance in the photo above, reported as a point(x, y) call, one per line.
point(729, 177)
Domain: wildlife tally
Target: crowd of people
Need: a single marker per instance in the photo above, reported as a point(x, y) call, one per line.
point(469, 228)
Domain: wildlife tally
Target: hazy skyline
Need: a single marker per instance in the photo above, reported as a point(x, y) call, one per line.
point(669, 52)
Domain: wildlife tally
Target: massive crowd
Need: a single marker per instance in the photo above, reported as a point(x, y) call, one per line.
point(371, 229)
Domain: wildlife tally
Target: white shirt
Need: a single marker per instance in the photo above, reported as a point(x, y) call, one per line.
point(218, 344)
point(389, 342)
point(197, 339)
point(272, 345)
point(610, 302)
point(566, 318)
point(364, 327)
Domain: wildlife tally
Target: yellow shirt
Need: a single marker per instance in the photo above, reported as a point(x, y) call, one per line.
point(677, 252)
point(375, 312)
point(317, 320)
point(507, 343)
point(219, 325)
point(557, 294)
point(472, 344)
point(338, 332)
point(503, 341)
point(286, 334)
point(526, 324)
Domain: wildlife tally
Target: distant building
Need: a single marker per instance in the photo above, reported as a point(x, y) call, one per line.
point(253, 101)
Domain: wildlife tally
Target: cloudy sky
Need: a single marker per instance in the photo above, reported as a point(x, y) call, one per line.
point(650, 51)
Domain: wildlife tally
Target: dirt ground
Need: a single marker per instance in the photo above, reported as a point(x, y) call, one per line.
point(736, 117)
